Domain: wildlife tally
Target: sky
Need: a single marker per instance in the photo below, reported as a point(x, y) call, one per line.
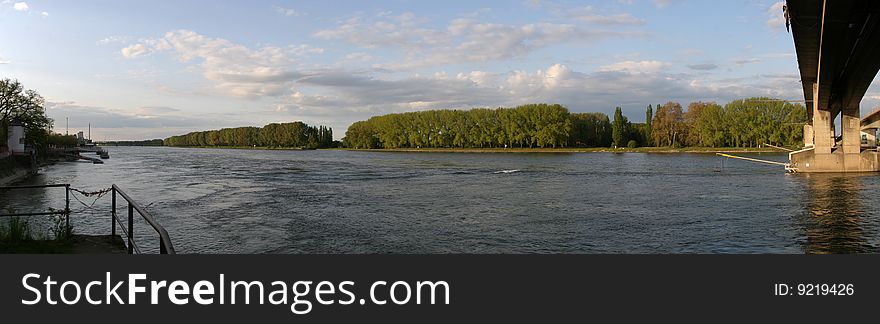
point(152, 69)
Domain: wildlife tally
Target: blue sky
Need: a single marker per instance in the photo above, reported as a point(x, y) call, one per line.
point(151, 69)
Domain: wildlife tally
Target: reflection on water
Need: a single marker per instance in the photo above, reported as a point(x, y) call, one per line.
point(834, 219)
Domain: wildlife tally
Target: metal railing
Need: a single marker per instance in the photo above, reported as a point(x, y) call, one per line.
point(65, 212)
point(165, 246)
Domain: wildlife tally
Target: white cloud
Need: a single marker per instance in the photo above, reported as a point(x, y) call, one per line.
point(287, 12)
point(21, 6)
point(636, 66)
point(591, 15)
point(304, 50)
point(341, 95)
point(4, 61)
point(236, 70)
point(776, 16)
point(44, 14)
point(463, 40)
point(353, 97)
point(135, 51)
point(112, 39)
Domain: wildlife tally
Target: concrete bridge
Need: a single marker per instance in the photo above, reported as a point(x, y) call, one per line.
point(838, 52)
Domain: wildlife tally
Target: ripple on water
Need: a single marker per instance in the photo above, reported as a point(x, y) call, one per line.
point(231, 201)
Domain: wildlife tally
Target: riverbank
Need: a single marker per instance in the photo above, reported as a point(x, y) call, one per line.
point(708, 150)
point(261, 148)
point(12, 172)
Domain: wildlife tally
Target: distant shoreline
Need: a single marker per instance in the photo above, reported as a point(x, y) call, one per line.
point(710, 150)
point(262, 148)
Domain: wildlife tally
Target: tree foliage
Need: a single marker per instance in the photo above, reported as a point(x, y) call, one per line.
point(534, 125)
point(739, 123)
point(26, 106)
point(62, 141)
point(619, 128)
point(649, 116)
point(590, 130)
point(668, 124)
point(295, 134)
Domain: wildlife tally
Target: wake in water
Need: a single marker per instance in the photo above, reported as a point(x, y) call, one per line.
point(505, 171)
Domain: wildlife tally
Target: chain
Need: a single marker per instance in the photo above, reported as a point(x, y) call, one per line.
point(93, 193)
point(98, 194)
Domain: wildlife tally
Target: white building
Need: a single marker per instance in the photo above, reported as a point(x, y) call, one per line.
point(15, 138)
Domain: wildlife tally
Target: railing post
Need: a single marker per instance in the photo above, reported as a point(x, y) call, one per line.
point(130, 228)
point(162, 249)
point(67, 209)
point(113, 213)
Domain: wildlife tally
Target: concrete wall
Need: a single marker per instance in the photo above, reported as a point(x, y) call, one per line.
point(808, 161)
point(15, 140)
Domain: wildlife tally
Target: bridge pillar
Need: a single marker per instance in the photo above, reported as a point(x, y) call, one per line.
point(850, 124)
point(823, 134)
point(852, 142)
point(808, 135)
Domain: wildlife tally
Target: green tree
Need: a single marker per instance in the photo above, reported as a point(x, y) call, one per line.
point(668, 124)
point(26, 106)
point(618, 128)
point(649, 116)
point(590, 130)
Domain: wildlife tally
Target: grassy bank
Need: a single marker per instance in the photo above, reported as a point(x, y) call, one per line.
point(587, 150)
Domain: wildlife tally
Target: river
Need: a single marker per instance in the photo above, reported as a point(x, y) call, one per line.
point(334, 201)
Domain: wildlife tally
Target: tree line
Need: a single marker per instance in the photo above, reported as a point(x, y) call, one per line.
point(152, 142)
point(295, 134)
point(740, 123)
point(535, 125)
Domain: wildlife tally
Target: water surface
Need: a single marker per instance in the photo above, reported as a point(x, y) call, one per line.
point(250, 201)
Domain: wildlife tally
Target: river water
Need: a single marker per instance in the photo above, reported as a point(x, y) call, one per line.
point(329, 201)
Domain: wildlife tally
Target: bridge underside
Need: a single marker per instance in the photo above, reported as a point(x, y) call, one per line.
point(838, 49)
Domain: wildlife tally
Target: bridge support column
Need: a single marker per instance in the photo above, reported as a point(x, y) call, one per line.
point(852, 141)
point(823, 134)
point(808, 135)
point(850, 124)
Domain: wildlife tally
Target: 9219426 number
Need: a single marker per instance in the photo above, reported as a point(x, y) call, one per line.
point(814, 289)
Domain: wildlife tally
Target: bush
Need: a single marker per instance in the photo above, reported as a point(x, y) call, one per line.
point(632, 144)
point(15, 230)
